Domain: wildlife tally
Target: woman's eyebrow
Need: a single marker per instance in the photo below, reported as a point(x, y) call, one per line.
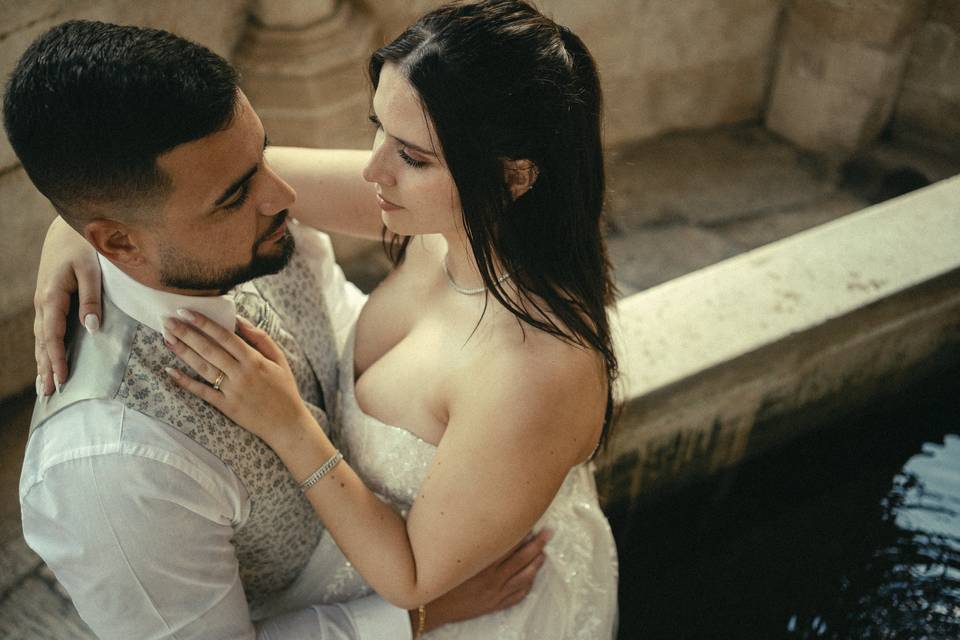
point(415, 147)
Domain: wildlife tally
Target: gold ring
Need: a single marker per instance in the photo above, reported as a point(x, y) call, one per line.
point(216, 385)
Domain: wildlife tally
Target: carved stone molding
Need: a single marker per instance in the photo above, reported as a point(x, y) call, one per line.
point(308, 83)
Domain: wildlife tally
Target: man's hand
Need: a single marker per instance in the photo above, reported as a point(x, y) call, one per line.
point(500, 586)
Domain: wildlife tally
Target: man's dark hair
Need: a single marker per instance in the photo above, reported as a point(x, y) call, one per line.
point(91, 105)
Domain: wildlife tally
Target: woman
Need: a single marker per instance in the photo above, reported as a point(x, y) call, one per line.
point(476, 384)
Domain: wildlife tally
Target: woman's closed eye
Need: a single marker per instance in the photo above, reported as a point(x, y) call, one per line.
point(417, 164)
point(401, 148)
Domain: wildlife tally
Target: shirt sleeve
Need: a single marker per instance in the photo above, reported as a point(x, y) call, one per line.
point(142, 545)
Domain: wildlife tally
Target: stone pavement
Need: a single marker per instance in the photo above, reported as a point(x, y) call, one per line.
point(677, 203)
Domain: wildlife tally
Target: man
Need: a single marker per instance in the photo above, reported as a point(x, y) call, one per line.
point(161, 517)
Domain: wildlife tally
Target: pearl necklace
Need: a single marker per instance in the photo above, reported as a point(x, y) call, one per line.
point(464, 290)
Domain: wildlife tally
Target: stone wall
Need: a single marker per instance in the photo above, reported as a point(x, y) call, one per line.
point(839, 70)
point(664, 65)
point(929, 103)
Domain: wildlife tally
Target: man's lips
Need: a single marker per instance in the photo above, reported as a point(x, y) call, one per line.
point(386, 205)
point(282, 229)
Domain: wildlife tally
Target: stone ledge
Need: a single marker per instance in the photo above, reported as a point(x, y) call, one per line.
point(718, 364)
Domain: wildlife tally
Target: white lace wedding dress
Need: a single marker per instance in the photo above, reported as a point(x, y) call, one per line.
point(575, 594)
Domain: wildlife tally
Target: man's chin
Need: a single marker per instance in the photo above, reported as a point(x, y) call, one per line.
point(263, 264)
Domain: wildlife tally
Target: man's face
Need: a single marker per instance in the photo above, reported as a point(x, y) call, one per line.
point(225, 220)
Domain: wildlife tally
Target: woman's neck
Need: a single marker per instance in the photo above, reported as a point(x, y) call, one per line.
point(461, 263)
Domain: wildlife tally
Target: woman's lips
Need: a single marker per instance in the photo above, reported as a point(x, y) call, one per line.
point(386, 205)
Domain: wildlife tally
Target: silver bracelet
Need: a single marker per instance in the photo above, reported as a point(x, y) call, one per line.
point(323, 470)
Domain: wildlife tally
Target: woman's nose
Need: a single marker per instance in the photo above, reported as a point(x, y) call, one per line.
point(377, 168)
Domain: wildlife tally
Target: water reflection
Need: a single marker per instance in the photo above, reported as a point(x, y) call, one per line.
point(851, 533)
point(910, 587)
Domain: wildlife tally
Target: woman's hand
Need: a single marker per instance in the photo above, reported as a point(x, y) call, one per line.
point(257, 389)
point(68, 264)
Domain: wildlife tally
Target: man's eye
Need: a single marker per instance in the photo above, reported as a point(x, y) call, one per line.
point(241, 199)
point(374, 120)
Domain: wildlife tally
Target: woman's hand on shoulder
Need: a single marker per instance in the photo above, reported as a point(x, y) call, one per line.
point(68, 265)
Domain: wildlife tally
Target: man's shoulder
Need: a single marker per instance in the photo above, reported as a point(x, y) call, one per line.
point(118, 442)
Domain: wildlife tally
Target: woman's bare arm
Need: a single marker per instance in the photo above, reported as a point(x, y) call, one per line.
point(331, 192)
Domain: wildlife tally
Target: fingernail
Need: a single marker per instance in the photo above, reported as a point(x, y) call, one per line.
point(39, 386)
point(170, 342)
point(187, 315)
point(57, 383)
point(170, 372)
point(548, 535)
point(91, 323)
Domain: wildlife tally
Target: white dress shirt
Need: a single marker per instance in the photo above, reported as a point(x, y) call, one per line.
point(135, 518)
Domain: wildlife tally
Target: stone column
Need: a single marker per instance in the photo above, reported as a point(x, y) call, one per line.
point(840, 69)
point(303, 68)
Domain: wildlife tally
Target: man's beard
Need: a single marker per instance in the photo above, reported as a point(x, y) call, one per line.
point(180, 272)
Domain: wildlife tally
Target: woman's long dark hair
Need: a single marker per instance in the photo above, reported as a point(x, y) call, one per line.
point(501, 81)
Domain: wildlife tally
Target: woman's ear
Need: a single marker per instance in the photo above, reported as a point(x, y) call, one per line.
point(113, 240)
point(520, 176)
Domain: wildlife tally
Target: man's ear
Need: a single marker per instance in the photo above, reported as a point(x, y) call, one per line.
point(115, 241)
point(520, 176)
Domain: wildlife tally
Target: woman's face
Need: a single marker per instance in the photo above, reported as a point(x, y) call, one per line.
point(417, 192)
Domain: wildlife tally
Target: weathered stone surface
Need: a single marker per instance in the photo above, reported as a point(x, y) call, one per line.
point(710, 177)
point(35, 610)
point(664, 65)
point(17, 561)
point(307, 84)
point(16, 352)
point(679, 65)
point(929, 104)
point(290, 14)
point(754, 232)
point(27, 214)
point(835, 88)
point(14, 424)
point(878, 23)
point(651, 256)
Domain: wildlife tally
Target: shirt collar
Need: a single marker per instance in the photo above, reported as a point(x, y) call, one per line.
point(151, 307)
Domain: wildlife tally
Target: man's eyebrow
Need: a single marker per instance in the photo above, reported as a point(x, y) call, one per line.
point(238, 183)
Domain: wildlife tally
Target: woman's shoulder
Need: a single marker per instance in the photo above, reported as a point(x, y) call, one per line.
point(548, 387)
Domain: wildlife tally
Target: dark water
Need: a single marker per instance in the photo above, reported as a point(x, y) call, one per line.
point(853, 532)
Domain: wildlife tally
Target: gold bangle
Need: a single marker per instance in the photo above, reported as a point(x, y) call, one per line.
point(422, 613)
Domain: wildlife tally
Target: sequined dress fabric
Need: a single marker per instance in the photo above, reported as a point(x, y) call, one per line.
point(575, 594)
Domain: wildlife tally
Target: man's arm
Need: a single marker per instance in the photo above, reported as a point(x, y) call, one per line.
point(139, 535)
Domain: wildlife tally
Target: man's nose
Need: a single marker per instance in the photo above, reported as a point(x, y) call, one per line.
point(280, 197)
